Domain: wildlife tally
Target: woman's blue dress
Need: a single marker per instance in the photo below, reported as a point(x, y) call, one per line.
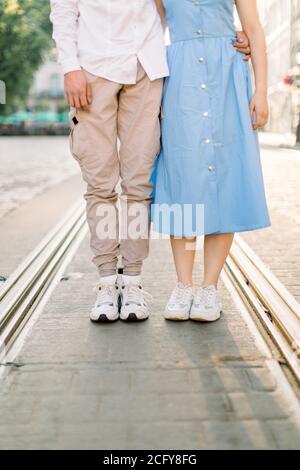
point(208, 176)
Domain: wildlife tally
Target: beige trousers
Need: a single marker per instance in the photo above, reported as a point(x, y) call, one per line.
point(130, 113)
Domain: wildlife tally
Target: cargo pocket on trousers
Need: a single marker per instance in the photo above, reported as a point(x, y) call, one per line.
point(74, 138)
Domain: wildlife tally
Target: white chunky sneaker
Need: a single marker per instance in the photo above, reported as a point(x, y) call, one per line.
point(133, 299)
point(179, 305)
point(106, 308)
point(207, 305)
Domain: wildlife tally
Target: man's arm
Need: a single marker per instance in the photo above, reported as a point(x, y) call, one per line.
point(64, 17)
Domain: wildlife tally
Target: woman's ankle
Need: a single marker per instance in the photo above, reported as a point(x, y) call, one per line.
point(208, 283)
point(185, 282)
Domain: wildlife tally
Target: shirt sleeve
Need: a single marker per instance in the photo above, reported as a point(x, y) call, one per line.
point(64, 17)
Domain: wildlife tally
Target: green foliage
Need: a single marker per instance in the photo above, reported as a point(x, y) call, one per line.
point(25, 34)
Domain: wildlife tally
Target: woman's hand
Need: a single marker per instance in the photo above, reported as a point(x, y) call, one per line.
point(259, 110)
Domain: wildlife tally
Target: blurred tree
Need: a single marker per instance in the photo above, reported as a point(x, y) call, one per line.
point(25, 34)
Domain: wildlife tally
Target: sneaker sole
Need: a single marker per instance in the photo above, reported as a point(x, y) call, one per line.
point(132, 318)
point(104, 319)
point(204, 320)
point(175, 319)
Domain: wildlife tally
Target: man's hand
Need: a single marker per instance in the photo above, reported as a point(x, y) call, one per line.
point(242, 45)
point(77, 89)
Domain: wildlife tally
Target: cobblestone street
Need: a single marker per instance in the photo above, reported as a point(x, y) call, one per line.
point(156, 385)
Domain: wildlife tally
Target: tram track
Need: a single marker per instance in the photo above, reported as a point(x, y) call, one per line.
point(22, 293)
point(266, 298)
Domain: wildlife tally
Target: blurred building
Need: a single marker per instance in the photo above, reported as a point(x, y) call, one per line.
point(47, 92)
point(281, 21)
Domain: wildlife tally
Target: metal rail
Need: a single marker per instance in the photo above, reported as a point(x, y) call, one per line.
point(266, 296)
point(22, 292)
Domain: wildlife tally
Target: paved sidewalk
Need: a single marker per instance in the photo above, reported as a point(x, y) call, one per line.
point(279, 245)
point(273, 139)
point(154, 385)
point(31, 165)
point(23, 228)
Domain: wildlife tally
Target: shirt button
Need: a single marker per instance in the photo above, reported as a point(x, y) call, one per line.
point(206, 114)
point(199, 32)
point(203, 86)
point(208, 141)
point(201, 60)
point(196, 3)
point(211, 168)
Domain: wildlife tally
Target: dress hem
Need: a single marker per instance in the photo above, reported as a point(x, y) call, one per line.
point(217, 232)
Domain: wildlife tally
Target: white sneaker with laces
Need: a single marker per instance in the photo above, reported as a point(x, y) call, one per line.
point(133, 299)
point(179, 306)
point(207, 305)
point(106, 308)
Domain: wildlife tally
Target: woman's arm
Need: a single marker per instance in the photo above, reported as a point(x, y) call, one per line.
point(248, 13)
point(161, 11)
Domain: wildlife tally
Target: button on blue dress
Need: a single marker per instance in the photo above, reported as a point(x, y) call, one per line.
point(208, 177)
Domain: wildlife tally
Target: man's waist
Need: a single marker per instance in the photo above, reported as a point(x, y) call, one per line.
point(106, 49)
point(181, 37)
point(95, 38)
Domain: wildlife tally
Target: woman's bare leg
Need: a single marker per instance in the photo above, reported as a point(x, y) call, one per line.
point(216, 250)
point(184, 250)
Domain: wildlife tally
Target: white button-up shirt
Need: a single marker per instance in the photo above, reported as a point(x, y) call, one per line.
point(108, 37)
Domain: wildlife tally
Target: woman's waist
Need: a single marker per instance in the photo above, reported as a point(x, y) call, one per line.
point(198, 35)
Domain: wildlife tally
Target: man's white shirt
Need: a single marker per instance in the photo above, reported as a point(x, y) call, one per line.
point(108, 37)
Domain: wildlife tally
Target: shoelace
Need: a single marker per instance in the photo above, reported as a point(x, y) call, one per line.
point(136, 295)
point(181, 295)
point(205, 296)
point(105, 293)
